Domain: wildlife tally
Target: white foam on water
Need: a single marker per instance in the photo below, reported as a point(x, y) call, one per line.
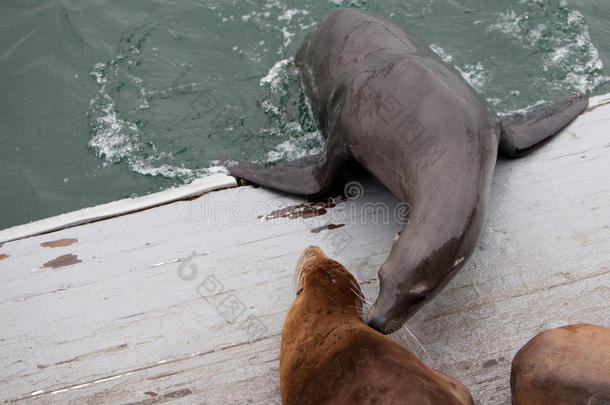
point(280, 82)
point(588, 75)
point(508, 23)
point(573, 53)
point(291, 21)
point(164, 170)
point(445, 57)
point(273, 77)
point(494, 101)
point(285, 91)
point(295, 148)
point(288, 14)
point(115, 138)
point(536, 34)
point(287, 36)
point(270, 108)
point(523, 110)
point(473, 74)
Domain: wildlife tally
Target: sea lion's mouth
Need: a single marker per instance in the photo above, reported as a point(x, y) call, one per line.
point(385, 329)
point(393, 328)
point(382, 324)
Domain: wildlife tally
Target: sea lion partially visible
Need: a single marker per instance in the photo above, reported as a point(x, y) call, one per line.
point(383, 99)
point(563, 366)
point(330, 356)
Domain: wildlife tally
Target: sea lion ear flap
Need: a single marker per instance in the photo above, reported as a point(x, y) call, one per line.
point(520, 133)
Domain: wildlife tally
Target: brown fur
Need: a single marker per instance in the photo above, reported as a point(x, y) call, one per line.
point(330, 356)
point(568, 365)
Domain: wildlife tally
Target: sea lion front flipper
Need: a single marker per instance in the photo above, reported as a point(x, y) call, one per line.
point(521, 132)
point(309, 175)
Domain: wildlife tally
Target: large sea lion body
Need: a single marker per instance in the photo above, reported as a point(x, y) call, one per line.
point(564, 366)
point(330, 356)
point(384, 100)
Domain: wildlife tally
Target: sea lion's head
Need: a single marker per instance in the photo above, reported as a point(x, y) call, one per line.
point(409, 279)
point(326, 280)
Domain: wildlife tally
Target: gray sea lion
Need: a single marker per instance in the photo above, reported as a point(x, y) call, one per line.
point(563, 366)
point(330, 356)
point(384, 100)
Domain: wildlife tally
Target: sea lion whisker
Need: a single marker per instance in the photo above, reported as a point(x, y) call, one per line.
point(401, 337)
point(361, 312)
point(361, 296)
point(418, 342)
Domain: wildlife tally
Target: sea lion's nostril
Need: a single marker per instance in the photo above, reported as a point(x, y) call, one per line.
point(421, 298)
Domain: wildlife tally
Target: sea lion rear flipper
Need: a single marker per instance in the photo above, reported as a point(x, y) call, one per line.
point(521, 132)
point(309, 175)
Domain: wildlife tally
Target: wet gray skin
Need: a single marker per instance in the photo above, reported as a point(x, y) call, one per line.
point(385, 100)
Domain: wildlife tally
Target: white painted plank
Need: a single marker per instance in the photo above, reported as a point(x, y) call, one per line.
point(122, 326)
point(120, 207)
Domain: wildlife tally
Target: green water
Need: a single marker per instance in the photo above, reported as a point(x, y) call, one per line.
point(106, 99)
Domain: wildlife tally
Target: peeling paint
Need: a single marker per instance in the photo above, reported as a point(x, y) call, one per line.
point(490, 363)
point(59, 243)
point(295, 211)
point(4, 256)
point(589, 109)
point(306, 210)
point(158, 377)
point(56, 290)
point(163, 398)
point(326, 227)
point(62, 261)
point(178, 394)
point(87, 355)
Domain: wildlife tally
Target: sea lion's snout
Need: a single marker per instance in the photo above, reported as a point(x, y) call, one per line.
point(396, 303)
point(310, 254)
point(381, 322)
point(387, 316)
point(315, 268)
point(308, 259)
point(376, 322)
point(381, 316)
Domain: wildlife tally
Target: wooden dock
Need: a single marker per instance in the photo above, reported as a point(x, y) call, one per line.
point(185, 302)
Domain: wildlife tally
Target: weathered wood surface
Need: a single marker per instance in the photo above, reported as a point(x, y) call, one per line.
point(136, 319)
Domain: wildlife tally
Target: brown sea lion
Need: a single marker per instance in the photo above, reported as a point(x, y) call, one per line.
point(385, 100)
point(330, 356)
point(564, 366)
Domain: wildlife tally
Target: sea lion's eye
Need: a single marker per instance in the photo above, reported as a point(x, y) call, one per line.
point(300, 290)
